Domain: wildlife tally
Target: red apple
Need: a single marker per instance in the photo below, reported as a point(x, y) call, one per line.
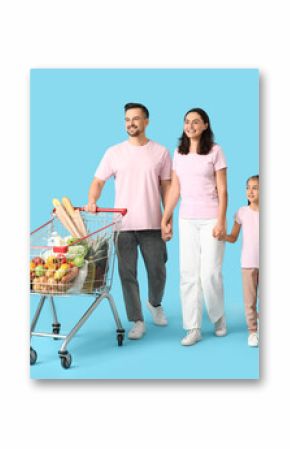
point(61, 258)
point(38, 261)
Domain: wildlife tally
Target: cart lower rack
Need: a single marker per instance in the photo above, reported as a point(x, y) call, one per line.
point(74, 264)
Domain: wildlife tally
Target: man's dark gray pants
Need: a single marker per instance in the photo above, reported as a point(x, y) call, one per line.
point(153, 250)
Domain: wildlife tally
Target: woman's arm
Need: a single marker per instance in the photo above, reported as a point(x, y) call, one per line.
point(219, 230)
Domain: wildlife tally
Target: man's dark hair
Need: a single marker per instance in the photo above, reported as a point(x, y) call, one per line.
point(137, 105)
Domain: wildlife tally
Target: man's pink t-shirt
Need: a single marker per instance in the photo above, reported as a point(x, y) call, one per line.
point(249, 220)
point(198, 189)
point(138, 171)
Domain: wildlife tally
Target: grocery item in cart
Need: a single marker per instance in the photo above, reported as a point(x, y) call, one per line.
point(97, 257)
point(52, 275)
point(78, 283)
point(65, 219)
point(89, 283)
point(81, 266)
point(76, 266)
point(75, 215)
point(72, 263)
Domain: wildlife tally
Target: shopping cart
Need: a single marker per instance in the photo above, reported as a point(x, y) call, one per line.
point(63, 265)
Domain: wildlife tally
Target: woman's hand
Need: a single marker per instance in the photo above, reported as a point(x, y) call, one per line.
point(219, 231)
point(166, 230)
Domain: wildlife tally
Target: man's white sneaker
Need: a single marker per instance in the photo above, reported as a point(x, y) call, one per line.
point(221, 327)
point(158, 315)
point(192, 337)
point(137, 331)
point(253, 339)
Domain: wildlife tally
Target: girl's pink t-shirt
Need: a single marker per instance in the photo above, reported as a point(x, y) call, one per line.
point(138, 171)
point(249, 220)
point(197, 179)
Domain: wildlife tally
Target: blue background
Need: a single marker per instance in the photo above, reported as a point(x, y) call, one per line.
point(75, 115)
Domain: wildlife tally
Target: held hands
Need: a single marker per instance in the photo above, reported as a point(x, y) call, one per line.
point(166, 230)
point(219, 231)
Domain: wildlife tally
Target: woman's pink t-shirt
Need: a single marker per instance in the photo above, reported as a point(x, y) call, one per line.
point(249, 220)
point(138, 171)
point(197, 179)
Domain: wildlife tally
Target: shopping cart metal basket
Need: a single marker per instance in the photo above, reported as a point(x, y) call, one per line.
point(64, 265)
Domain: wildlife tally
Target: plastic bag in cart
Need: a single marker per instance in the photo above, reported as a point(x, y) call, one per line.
point(78, 283)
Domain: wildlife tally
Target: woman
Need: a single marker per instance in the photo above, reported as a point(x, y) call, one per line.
point(199, 177)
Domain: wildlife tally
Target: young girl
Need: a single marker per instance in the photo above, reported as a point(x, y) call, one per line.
point(247, 217)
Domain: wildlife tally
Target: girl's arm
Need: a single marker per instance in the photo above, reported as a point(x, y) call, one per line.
point(172, 198)
point(219, 230)
point(233, 236)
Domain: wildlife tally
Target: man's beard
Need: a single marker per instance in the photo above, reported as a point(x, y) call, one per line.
point(133, 132)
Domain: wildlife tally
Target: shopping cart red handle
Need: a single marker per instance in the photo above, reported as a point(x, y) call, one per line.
point(105, 209)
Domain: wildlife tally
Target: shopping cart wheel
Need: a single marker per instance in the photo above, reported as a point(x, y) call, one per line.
point(65, 359)
point(120, 338)
point(33, 356)
point(55, 330)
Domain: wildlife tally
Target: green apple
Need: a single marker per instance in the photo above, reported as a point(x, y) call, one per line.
point(70, 240)
point(39, 270)
point(79, 261)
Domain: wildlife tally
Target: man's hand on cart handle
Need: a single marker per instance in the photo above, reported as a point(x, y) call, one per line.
point(94, 209)
point(91, 207)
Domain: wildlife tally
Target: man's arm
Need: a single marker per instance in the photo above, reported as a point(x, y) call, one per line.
point(165, 186)
point(171, 200)
point(94, 194)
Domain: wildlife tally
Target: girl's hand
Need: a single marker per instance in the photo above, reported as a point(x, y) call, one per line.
point(166, 230)
point(219, 231)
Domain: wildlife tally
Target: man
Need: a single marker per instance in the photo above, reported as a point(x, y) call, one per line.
point(142, 170)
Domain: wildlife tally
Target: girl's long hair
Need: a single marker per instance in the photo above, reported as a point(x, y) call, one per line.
point(206, 139)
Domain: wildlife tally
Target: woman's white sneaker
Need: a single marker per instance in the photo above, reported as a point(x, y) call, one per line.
point(137, 331)
point(253, 339)
point(192, 337)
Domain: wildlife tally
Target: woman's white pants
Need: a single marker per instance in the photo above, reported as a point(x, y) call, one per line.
point(201, 257)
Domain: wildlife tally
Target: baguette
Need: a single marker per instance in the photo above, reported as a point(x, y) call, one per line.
point(65, 219)
point(75, 216)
